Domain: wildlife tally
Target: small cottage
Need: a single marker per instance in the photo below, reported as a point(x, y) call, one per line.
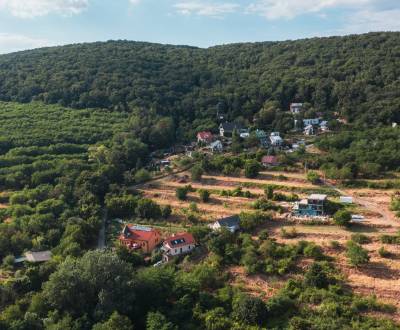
point(177, 244)
point(204, 137)
point(296, 108)
point(231, 223)
point(269, 161)
point(275, 139)
point(216, 146)
point(226, 129)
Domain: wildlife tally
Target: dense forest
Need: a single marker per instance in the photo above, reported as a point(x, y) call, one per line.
point(356, 76)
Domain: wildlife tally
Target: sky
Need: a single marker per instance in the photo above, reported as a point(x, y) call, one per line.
point(26, 24)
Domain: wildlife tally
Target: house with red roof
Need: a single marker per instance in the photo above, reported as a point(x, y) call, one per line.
point(204, 137)
point(178, 244)
point(268, 161)
point(141, 238)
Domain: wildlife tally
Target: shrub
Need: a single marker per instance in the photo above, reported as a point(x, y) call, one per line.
point(335, 245)
point(313, 177)
point(291, 233)
point(384, 253)
point(142, 176)
point(356, 254)
point(196, 172)
point(181, 193)
point(342, 218)
point(166, 211)
point(269, 192)
point(313, 251)
point(360, 238)
point(204, 195)
point(251, 169)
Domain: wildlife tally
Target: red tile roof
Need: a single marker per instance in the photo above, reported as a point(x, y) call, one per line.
point(204, 135)
point(139, 233)
point(180, 239)
point(269, 160)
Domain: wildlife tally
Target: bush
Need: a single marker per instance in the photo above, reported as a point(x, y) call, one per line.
point(360, 238)
point(166, 211)
point(142, 176)
point(335, 245)
point(313, 177)
point(204, 195)
point(181, 193)
point(251, 169)
point(291, 233)
point(342, 218)
point(269, 192)
point(356, 254)
point(384, 253)
point(196, 172)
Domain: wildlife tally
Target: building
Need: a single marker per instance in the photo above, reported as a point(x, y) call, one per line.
point(311, 121)
point(309, 130)
point(140, 238)
point(177, 245)
point(35, 257)
point(244, 133)
point(216, 146)
point(269, 161)
point(231, 223)
point(275, 139)
point(204, 137)
point(296, 107)
point(226, 129)
point(346, 199)
point(313, 206)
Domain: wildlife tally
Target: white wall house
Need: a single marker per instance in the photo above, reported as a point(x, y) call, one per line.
point(178, 244)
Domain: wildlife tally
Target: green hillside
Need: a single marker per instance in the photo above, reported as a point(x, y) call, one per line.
point(356, 76)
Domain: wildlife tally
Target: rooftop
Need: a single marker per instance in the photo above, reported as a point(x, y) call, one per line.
point(179, 239)
point(319, 197)
point(230, 221)
point(137, 232)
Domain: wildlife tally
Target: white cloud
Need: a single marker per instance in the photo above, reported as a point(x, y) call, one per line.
point(216, 10)
point(276, 9)
point(15, 42)
point(34, 8)
point(369, 21)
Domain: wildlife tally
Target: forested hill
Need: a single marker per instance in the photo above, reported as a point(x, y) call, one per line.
point(357, 76)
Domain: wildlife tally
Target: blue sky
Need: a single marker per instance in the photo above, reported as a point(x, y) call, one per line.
point(28, 24)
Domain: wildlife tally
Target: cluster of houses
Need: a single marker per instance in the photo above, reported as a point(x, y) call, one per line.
point(215, 143)
point(146, 239)
point(311, 126)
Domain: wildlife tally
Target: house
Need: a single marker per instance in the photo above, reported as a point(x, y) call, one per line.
point(296, 107)
point(177, 244)
point(204, 137)
point(216, 146)
point(346, 199)
point(231, 223)
point(275, 139)
point(323, 126)
point(313, 206)
point(35, 257)
point(141, 238)
point(311, 121)
point(309, 130)
point(262, 137)
point(226, 129)
point(268, 161)
point(244, 133)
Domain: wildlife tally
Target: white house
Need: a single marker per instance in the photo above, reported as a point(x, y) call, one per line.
point(309, 130)
point(231, 223)
point(276, 140)
point(177, 244)
point(296, 107)
point(216, 146)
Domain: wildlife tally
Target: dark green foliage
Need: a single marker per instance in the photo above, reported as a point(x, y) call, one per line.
point(360, 238)
point(181, 193)
point(204, 195)
point(356, 254)
point(251, 169)
point(249, 310)
point(342, 218)
point(196, 172)
point(148, 209)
